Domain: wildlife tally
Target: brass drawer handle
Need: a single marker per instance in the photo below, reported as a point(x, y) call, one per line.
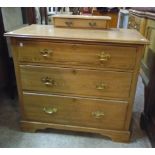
point(48, 81)
point(92, 24)
point(50, 110)
point(102, 86)
point(45, 53)
point(69, 24)
point(98, 114)
point(103, 57)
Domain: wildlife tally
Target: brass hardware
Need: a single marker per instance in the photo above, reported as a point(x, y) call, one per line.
point(104, 57)
point(92, 24)
point(98, 114)
point(102, 86)
point(45, 53)
point(69, 23)
point(50, 110)
point(48, 81)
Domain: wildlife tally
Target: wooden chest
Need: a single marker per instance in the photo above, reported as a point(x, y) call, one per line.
point(75, 79)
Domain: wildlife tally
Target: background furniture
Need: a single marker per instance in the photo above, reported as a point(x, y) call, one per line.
point(137, 21)
point(144, 21)
point(4, 56)
point(112, 12)
point(123, 18)
point(29, 15)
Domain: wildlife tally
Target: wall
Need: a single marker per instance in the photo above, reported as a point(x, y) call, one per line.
point(12, 17)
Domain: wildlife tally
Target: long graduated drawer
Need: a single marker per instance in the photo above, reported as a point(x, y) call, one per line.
point(101, 56)
point(69, 110)
point(76, 81)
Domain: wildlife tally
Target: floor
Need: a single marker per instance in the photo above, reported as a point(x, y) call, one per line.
point(12, 137)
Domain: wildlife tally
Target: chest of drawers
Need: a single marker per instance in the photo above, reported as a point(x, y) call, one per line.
point(74, 79)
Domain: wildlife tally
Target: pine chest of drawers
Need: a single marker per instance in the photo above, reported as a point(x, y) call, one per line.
point(74, 79)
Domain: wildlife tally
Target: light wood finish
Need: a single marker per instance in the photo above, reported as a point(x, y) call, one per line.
point(122, 36)
point(81, 21)
point(115, 135)
point(131, 100)
point(113, 15)
point(67, 81)
point(76, 21)
point(77, 90)
point(18, 79)
point(64, 16)
point(77, 54)
point(74, 110)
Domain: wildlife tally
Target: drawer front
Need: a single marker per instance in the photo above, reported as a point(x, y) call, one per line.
point(81, 23)
point(77, 54)
point(74, 111)
point(76, 81)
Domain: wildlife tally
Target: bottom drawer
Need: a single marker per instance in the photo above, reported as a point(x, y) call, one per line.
point(86, 112)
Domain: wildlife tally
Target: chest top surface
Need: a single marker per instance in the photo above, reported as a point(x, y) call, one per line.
point(128, 36)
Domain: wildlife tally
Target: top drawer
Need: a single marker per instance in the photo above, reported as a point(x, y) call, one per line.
point(99, 56)
point(81, 23)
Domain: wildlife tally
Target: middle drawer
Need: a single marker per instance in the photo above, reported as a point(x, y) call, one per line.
point(76, 81)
